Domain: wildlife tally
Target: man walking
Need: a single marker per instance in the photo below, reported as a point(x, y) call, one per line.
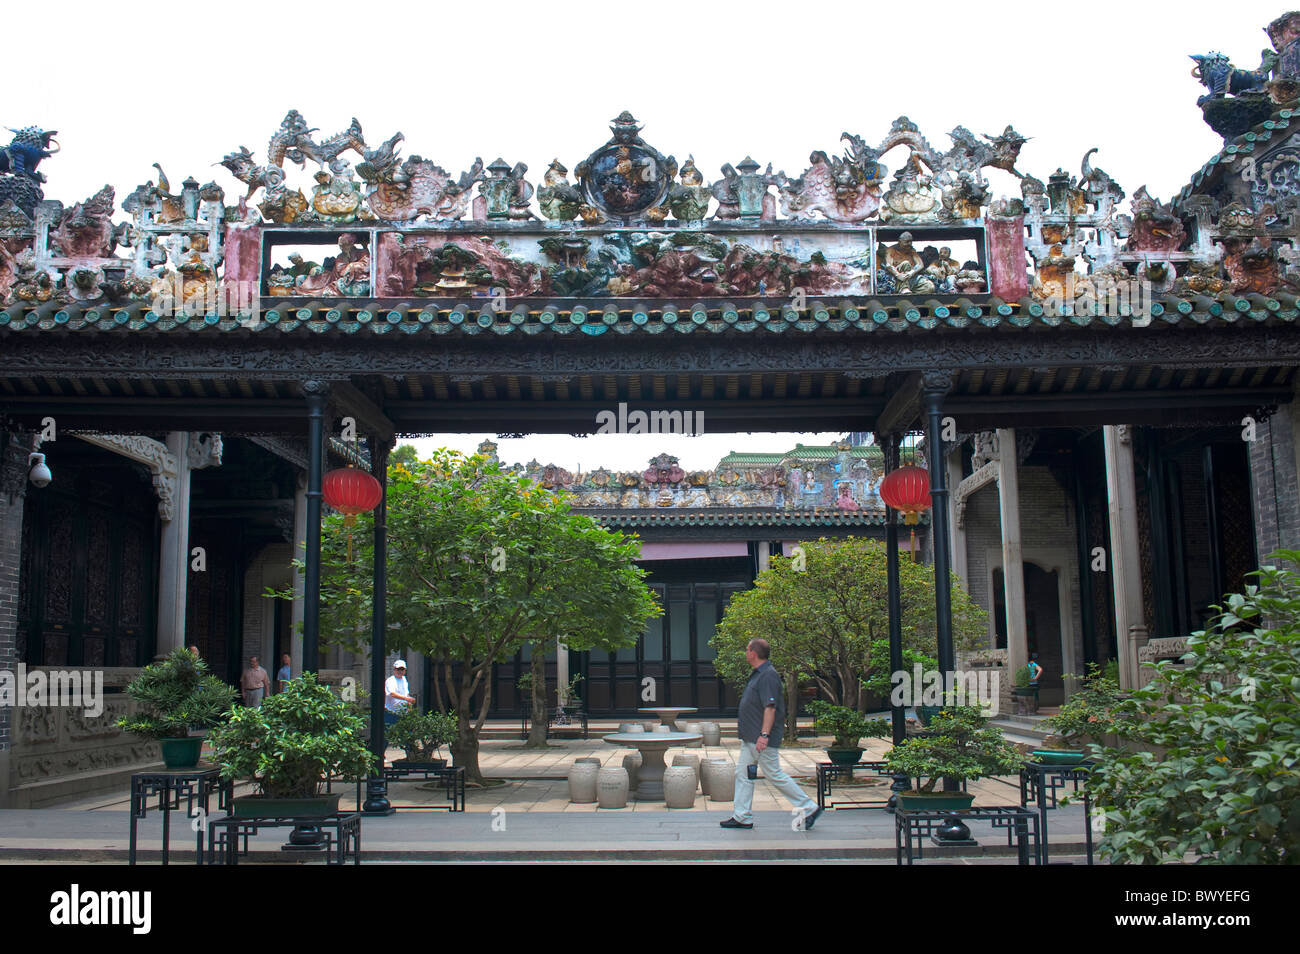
point(760, 724)
point(397, 693)
point(255, 683)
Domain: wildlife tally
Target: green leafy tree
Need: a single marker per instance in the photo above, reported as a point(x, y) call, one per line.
point(1227, 787)
point(404, 454)
point(826, 615)
point(480, 563)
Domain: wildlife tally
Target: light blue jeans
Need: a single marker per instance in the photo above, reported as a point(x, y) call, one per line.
point(769, 760)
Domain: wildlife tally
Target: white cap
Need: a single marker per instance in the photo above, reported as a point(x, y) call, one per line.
point(399, 664)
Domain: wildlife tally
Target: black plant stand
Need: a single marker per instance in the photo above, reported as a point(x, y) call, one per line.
point(195, 785)
point(340, 836)
point(828, 772)
point(911, 827)
point(451, 776)
point(1039, 783)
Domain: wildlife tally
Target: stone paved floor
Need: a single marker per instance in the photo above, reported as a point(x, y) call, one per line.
point(541, 823)
point(536, 780)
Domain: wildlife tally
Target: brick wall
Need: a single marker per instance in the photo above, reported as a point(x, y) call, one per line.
point(269, 568)
point(13, 478)
point(1046, 524)
point(1274, 492)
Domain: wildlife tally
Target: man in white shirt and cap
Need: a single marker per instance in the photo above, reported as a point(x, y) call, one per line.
point(397, 694)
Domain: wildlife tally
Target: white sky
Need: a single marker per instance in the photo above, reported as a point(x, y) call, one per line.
point(130, 84)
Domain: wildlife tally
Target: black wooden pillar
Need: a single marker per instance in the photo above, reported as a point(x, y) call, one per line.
point(317, 393)
point(934, 386)
point(376, 786)
point(898, 713)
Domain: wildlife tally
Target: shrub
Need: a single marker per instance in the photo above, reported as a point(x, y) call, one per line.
point(848, 726)
point(1228, 718)
point(957, 746)
point(175, 695)
point(293, 741)
point(1089, 714)
point(421, 735)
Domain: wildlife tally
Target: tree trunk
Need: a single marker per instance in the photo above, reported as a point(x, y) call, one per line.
point(541, 717)
point(464, 749)
point(849, 687)
point(792, 708)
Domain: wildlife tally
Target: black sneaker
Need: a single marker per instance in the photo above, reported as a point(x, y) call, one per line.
point(811, 818)
point(732, 823)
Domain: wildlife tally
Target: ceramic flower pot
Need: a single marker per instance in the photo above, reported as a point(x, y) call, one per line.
point(845, 756)
point(259, 806)
point(934, 801)
point(1059, 756)
point(181, 753)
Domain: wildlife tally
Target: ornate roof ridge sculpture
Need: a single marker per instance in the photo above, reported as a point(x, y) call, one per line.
point(845, 482)
point(636, 228)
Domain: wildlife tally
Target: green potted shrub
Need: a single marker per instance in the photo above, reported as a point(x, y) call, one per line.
point(568, 697)
point(1026, 696)
point(288, 746)
point(422, 735)
point(177, 695)
point(959, 746)
point(1086, 717)
point(847, 727)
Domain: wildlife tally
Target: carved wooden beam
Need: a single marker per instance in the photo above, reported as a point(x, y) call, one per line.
point(370, 417)
point(161, 462)
point(903, 409)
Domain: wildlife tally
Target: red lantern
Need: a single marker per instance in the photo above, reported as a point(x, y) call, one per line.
point(351, 491)
point(907, 490)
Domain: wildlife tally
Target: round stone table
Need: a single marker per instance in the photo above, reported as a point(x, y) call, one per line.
point(668, 714)
point(652, 746)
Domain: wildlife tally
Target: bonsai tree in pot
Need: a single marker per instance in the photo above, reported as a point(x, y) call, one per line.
point(176, 695)
point(422, 736)
point(567, 695)
point(959, 746)
point(1087, 716)
point(847, 727)
point(289, 746)
point(1026, 696)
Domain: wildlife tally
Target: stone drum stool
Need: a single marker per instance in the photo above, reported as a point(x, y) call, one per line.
point(694, 729)
point(721, 782)
point(707, 769)
point(631, 727)
point(582, 781)
point(679, 786)
point(692, 760)
point(611, 787)
point(650, 725)
point(712, 733)
point(633, 765)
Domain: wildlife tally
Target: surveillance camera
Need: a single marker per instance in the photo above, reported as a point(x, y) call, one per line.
point(37, 472)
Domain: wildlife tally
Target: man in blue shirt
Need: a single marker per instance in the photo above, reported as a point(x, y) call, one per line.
point(760, 724)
